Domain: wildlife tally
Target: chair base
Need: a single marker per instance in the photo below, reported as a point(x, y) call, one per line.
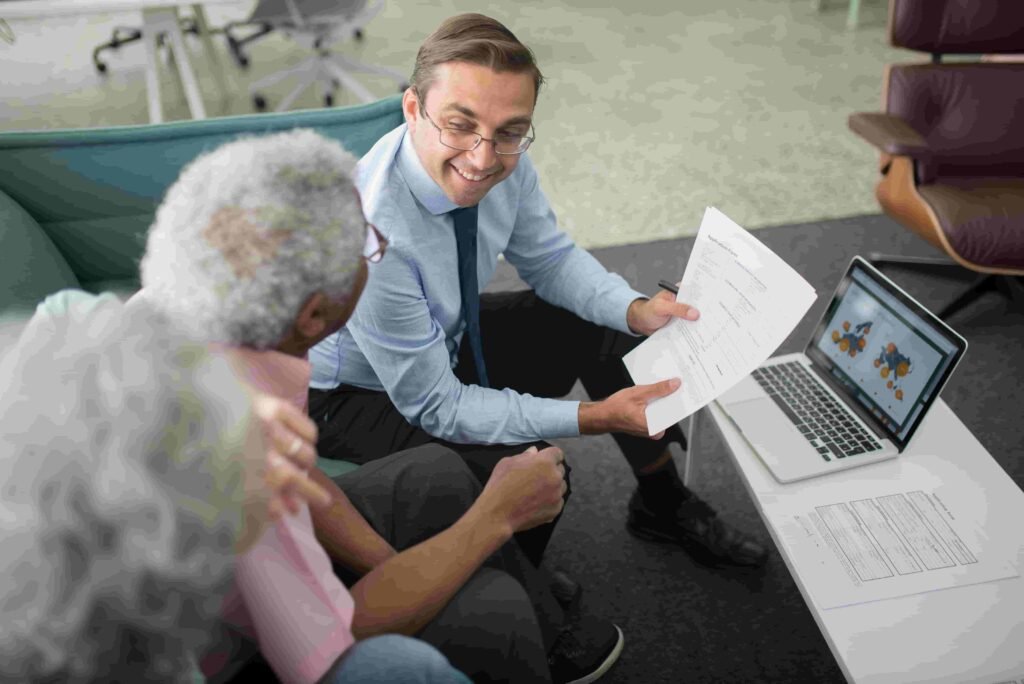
point(1012, 287)
point(123, 35)
point(236, 44)
point(331, 71)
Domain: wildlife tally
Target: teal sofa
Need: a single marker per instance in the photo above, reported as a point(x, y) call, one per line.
point(75, 205)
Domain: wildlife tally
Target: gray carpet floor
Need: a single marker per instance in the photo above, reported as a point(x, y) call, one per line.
point(687, 623)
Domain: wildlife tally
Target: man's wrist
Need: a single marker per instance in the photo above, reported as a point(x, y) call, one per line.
point(633, 314)
point(488, 520)
point(592, 418)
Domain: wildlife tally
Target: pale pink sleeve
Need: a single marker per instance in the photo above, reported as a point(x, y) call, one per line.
point(300, 612)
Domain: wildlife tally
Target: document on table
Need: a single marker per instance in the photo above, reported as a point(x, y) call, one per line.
point(882, 540)
point(749, 301)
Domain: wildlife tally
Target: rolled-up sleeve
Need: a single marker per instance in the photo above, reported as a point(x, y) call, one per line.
point(405, 344)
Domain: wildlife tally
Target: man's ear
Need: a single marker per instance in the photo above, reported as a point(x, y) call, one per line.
point(311, 322)
point(410, 107)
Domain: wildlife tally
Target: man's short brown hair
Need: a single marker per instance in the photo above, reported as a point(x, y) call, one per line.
point(476, 39)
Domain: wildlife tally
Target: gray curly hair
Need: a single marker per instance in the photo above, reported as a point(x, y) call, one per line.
point(250, 231)
point(127, 481)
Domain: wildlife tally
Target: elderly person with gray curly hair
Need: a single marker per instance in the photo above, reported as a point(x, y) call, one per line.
point(128, 479)
point(261, 246)
point(257, 237)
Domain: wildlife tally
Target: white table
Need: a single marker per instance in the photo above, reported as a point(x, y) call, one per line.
point(158, 16)
point(966, 634)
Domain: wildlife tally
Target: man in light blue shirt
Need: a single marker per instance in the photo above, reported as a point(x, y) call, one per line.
point(427, 358)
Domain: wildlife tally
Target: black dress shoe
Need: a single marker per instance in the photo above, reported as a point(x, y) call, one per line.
point(696, 527)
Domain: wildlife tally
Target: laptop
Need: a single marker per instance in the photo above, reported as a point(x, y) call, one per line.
point(873, 367)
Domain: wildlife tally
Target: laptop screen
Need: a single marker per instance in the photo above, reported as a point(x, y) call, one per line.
point(889, 353)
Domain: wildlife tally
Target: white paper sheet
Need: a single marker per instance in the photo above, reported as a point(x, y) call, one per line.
point(749, 301)
point(879, 541)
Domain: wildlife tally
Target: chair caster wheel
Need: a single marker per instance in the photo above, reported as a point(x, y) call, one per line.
point(101, 67)
point(328, 100)
point(259, 102)
point(359, 34)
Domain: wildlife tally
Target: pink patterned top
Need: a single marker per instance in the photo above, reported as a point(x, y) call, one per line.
point(286, 595)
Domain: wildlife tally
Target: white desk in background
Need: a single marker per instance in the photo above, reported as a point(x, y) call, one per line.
point(158, 16)
point(965, 634)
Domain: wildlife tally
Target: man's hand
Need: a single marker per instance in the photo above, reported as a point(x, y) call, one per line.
point(290, 438)
point(624, 411)
point(526, 490)
point(644, 316)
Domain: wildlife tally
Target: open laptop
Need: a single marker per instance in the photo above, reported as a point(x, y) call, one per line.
point(873, 367)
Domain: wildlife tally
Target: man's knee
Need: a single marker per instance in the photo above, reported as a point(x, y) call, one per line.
point(394, 658)
point(442, 472)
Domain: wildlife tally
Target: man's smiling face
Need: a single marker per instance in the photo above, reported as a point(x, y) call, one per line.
point(475, 98)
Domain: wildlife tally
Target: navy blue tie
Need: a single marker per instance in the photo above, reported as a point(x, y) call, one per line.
point(465, 241)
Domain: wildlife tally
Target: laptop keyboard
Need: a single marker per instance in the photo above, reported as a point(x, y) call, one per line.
point(824, 422)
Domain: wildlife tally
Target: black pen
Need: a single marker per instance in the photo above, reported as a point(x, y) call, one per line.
point(666, 285)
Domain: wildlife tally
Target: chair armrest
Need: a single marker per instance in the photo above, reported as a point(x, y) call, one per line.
point(890, 134)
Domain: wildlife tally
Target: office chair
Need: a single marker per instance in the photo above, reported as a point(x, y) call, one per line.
point(952, 143)
point(317, 24)
point(122, 35)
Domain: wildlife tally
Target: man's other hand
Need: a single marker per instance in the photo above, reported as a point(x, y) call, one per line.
point(625, 411)
point(526, 490)
point(644, 316)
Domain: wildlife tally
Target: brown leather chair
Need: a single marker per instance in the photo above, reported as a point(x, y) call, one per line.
point(952, 140)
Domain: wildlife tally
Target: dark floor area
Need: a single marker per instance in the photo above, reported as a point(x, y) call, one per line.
point(686, 623)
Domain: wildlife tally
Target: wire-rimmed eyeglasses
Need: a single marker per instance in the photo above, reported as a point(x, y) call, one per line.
point(376, 244)
point(468, 140)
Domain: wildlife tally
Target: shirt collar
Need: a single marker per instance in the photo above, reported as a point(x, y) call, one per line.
point(424, 189)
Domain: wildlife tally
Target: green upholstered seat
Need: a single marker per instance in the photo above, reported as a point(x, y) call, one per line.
point(31, 267)
point(75, 205)
point(94, 191)
point(333, 468)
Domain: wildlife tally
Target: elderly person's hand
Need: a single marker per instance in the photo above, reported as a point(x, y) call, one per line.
point(291, 451)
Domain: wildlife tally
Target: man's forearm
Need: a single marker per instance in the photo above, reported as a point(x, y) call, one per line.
point(344, 532)
point(408, 590)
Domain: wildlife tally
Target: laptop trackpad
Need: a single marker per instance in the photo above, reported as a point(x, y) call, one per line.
point(744, 390)
point(766, 427)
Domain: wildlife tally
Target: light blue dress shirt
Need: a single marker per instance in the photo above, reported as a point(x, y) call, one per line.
point(405, 333)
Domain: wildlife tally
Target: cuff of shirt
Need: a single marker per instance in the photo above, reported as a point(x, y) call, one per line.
point(561, 418)
point(619, 303)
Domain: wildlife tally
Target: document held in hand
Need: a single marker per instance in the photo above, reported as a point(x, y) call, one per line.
point(749, 301)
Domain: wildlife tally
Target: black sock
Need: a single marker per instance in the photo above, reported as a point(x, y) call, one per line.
point(663, 489)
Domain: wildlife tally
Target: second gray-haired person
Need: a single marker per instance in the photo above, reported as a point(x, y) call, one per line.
point(261, 247)
point(128, 477)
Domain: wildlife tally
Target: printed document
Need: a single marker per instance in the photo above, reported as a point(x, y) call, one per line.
point(749, 301)
point(880, 541)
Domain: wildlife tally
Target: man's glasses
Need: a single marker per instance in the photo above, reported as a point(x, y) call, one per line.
point(376, 244)
point(468, 140)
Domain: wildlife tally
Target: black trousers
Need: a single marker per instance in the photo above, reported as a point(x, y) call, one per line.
point(500, 625)
point(529, 346)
